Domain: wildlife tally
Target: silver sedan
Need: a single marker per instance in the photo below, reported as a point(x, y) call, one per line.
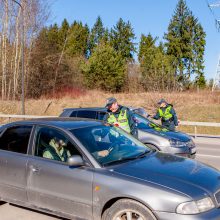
point(83, 169)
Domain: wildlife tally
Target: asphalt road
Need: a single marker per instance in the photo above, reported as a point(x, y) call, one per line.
point(208, 151)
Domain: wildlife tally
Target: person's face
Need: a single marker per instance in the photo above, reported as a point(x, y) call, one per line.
point(114, 107)
point(163, 104)
point(60, 144)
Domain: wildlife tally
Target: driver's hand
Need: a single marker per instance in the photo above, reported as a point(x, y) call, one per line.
point(103, 153)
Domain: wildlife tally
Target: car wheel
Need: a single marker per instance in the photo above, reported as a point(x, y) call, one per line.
point(153, 147)
point(127, 209)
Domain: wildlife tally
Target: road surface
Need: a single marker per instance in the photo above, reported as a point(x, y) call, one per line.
point(208, 151)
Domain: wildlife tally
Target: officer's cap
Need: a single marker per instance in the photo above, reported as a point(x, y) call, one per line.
point(162, 101)
point(110, 101)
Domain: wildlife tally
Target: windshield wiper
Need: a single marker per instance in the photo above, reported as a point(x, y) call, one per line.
point(124, 159)
point(143, 154)
point(121, 160)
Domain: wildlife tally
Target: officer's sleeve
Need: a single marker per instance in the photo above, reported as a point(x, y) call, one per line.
point(175, 119)
point(132, 123)
point(156, 116)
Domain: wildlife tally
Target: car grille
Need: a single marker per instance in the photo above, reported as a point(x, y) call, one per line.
point(217, 197)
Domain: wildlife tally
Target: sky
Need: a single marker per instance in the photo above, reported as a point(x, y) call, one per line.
point(145, 16)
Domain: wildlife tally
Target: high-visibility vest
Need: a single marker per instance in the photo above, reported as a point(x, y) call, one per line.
point(62, 157)
point(166, 115)
point(122, 120)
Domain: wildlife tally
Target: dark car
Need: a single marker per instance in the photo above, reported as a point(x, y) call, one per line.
point(150, 133)
point(129, 181)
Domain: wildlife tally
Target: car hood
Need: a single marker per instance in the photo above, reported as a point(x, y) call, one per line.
point(177, 173)
point(170, 134)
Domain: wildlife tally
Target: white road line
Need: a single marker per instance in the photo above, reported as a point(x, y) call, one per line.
point(206, 155)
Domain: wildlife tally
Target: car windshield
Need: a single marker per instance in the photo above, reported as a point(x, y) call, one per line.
point(144, 123)
point(110, 145)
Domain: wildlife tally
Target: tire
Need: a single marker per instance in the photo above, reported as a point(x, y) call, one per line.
point(2, 202)
point(127, 209)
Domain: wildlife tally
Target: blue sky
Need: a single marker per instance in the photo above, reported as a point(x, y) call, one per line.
point(146, 16)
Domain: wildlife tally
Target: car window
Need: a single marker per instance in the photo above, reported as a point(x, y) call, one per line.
point(86, 114)
point(53, 144)
point(16, 139)
point(73, 114)
point(100, 115)
point(117, 143)
point(143, 123)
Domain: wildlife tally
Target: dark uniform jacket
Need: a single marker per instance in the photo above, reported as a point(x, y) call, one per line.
point(172, 122)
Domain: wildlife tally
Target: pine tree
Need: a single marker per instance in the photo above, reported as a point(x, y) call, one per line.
point(198, 55)
point(185, 43)
point(121, 39)
point(105, 69)
point(77, 44)
point(97, 33)
point(63, 32)
point(53, 39)
point(155, 65)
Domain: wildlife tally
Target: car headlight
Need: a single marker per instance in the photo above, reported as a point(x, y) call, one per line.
point(192, 143)
point(176, 143)
point(195, 207)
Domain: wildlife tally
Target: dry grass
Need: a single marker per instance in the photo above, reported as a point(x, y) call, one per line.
point(190, 106)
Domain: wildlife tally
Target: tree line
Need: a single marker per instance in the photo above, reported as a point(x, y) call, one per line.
point(75, 56)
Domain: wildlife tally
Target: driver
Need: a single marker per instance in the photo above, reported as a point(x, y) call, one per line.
point(56, 150)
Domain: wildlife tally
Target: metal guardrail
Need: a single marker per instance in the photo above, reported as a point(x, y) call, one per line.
point(192, 123)
point(188, 123)
point(196, 124)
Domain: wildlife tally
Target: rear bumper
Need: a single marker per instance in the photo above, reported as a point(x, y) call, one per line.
point(213, 214)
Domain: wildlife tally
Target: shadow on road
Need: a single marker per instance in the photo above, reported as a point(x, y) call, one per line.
point(43, 213)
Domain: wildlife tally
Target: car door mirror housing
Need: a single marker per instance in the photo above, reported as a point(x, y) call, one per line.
point(75, 160)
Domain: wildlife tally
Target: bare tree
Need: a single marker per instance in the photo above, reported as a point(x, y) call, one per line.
point(35, 14)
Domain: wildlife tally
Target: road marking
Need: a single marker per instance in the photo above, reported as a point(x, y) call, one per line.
point(206, 155)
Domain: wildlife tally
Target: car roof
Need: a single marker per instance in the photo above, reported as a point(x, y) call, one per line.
point(102, 109)
point(66, 123)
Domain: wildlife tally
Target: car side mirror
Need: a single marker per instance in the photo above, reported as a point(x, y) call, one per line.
point(75, 160)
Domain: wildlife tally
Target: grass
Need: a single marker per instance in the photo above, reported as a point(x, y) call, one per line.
point(203, 106)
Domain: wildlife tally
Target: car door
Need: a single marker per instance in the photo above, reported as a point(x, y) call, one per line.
point(13, 159)
point(55, 186)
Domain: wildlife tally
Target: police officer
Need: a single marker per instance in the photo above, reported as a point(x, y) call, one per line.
point(167, 114)
point(119, 116)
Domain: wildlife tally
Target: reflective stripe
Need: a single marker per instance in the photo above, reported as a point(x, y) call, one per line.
point(166, 115)
point(122, 120)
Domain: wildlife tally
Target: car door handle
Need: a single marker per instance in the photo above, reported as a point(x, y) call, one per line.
point(35, 169)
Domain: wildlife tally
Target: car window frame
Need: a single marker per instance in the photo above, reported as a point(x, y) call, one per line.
point(64, 133)
point(29, 141)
